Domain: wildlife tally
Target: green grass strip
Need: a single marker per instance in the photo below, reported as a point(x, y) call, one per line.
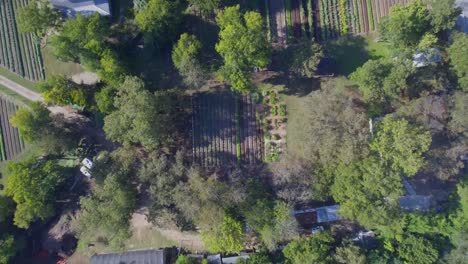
point(2, 146)
point(310, 18)
point(370, 15)
point(238, 138)
point(343, 18)
point(303, 24)
point(289, 19)
point(268, 25)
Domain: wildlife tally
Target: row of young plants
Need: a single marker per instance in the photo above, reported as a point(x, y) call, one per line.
point(11, 142)
point(370, 15)
point(289, 23)
point(273, 121)
point(19, 53)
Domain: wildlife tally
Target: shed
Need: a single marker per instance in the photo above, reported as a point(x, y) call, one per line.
point(413, 203)
point(328, 214)
point(85, 7)
point(147, 256)
point(424, 58)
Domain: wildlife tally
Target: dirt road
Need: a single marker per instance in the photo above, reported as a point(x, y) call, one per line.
point(21, 90)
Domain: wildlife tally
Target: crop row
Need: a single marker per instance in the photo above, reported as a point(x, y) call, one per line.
point(224, 130)
point(325, 19)
point(19, 53)
point(12, 144)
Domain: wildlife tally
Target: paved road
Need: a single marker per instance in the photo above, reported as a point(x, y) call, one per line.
point(19, 89)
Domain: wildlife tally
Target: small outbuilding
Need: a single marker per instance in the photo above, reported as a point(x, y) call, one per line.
point(85, 7)
point(148, 256)
point(425, 58)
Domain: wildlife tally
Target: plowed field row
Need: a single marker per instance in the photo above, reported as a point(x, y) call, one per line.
point(12, 142)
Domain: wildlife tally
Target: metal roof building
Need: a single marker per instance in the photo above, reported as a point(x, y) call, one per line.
point(150, 256)
point(85, 7)
point(462, 22)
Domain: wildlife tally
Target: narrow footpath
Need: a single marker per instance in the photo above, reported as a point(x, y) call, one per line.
point(21, 90)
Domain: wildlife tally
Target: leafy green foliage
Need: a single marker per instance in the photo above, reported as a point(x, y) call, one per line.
point(316, 249)
point(417, 250)
point(31, 123)
point(225, 238)
point(405, 26)
point(205, 6)
point(182, 259)
point(458, 53)
point(160, 18)
point(105, 99)
point(443, 14)
point(105, 214)
point(7, 248)
point(306, 58)
point(401, 145)
point(243, 46)
point(140, 116)
point(6, 208)
point(57, 89)
point(186, 58)
point(368, 192)
point(350, 253)
point(33, 185)
point(458, 113)
point(37, 17)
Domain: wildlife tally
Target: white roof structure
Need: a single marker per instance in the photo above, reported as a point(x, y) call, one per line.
point(462, 21)
point(424, 58)
point(84, 7)
point(328, 214)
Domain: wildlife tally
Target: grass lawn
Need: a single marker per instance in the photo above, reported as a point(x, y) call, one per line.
point(18, 79)
point(350, 53)
point(54, 66)
point(14, 96)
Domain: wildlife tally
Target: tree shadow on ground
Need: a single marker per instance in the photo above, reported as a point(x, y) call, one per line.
point(347, 54)
point(294, 84)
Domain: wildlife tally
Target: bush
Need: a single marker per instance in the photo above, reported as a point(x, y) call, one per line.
point(282, 110)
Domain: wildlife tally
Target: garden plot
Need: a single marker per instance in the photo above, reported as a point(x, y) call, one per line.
point(225, 130)
point(278, 21)
point(11, 143)
point(19, 53)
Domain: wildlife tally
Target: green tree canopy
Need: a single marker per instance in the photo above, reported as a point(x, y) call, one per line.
point(370, 78)
point(458, 113)
point(160, 18)
point(186, 58)
point(443, 13)
point(227, 237)
point(105, 215)
point(6, 208)
point(417, 250)
point(205, 6)
point(405, 25)
point(37, 17)
point(458, 53)
point(7, 248)
point(243, 46)
point(401, 145)
point(81, 39)
point(306, 58)
point(142, 117)
point(33, 184)
point(316, 249)
point(31, 122)
point(368, 192)
point(350, 253)
point(57, 89)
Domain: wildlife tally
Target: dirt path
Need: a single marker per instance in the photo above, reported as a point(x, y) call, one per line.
point(21, 90)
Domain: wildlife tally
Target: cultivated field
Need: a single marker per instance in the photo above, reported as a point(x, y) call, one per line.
point(19, 53)
point(11, 143)
point(325, 19)
point(225, 130)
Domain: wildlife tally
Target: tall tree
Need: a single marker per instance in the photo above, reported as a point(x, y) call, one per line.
point(401, 145)
point(33, 184)
point(316, 249)
point(405, 25)
point(205, 6)
point(443, 13)
point(142, 117)
point(160, 19)
point(37, 17)
point(417, 250)
point(458, 53)
point(7, 248)
point(105, 215)
point(31, 123)
point(228, 237)
point(59, 90)
point(306, 58)
point(243, 46)
point(186, 58)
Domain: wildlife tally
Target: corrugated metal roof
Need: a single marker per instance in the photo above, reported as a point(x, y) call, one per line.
point(131, 257)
